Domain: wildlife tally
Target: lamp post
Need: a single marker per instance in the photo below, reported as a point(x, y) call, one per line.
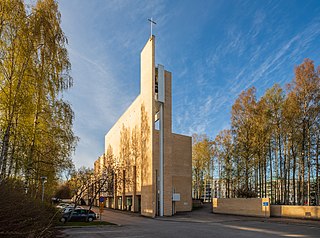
point(44, 180)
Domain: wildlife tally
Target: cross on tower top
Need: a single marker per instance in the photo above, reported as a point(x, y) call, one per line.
point(151, 23)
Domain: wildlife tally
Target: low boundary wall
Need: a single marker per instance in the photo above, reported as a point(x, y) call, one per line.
point(305, 212)
point(258, 207)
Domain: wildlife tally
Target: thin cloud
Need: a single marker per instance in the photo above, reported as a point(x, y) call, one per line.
point(212, 59)
point(264, 67)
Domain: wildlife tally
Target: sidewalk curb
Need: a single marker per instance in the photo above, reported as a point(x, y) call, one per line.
point(270, 220)
point(95, 226)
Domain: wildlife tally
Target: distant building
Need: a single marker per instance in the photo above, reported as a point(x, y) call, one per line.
point(133, 143)
point(216, 188)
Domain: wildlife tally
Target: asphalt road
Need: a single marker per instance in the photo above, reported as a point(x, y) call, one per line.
point(198, 224)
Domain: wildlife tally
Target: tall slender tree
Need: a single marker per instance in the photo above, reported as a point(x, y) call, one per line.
point(275, 141)
point(35, 122)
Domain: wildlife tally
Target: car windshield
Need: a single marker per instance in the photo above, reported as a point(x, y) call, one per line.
point(84, 211)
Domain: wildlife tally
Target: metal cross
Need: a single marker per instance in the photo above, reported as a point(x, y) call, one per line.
point(151, 23)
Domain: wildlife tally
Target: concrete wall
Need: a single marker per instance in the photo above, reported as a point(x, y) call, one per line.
point(139, 118)
point(242, 206)
point(177, 170)
point(148, 193)
point(305, 212)
point(182, 171)
point(168, 148)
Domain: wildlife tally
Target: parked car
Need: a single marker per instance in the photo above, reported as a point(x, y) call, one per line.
point(62, 205)
point(79, 215)
point(70, 208)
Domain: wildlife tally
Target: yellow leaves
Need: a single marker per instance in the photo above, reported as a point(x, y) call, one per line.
point(34, 72)
point(202, 151)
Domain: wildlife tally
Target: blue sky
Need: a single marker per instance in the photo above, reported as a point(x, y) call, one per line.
point(214, 49)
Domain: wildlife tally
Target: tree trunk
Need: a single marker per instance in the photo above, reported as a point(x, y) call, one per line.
point(270, 157)
point(285, 190)
point(309, 169)
point(302, 198)
point(294, 169)
point(12, 110)
point(317, 173)
point(281, 169)
point(12, 156)
point(115, 192)
point(265, 176)
point(277, 176)
point(124, 201)
point(4, 151)
point(134, 207)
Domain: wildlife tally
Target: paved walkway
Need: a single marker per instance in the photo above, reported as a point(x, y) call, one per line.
point(200, 215)
point(205, 214)
point(199, 223)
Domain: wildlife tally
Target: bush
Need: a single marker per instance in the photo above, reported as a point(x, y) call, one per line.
point(63, 192)
point(246, 193)
point(23, 216)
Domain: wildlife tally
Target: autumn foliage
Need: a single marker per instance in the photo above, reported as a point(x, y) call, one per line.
point(36, 137)
point(272, 148)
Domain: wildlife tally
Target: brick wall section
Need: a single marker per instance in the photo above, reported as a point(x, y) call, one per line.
point(305, 212)
point(148, 193)
point(242, 206)
point(182, 171)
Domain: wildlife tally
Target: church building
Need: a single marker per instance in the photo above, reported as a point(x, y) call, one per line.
point(154, 165)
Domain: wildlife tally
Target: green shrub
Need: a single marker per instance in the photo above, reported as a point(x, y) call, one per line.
point(23, 216)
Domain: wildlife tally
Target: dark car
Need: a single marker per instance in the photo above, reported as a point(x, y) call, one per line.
point(79, 215)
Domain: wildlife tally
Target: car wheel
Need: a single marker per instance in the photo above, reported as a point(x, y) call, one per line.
point(90, 219)
point(63, 219)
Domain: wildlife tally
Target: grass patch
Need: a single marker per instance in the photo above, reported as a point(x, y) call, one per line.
point(79, 223)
